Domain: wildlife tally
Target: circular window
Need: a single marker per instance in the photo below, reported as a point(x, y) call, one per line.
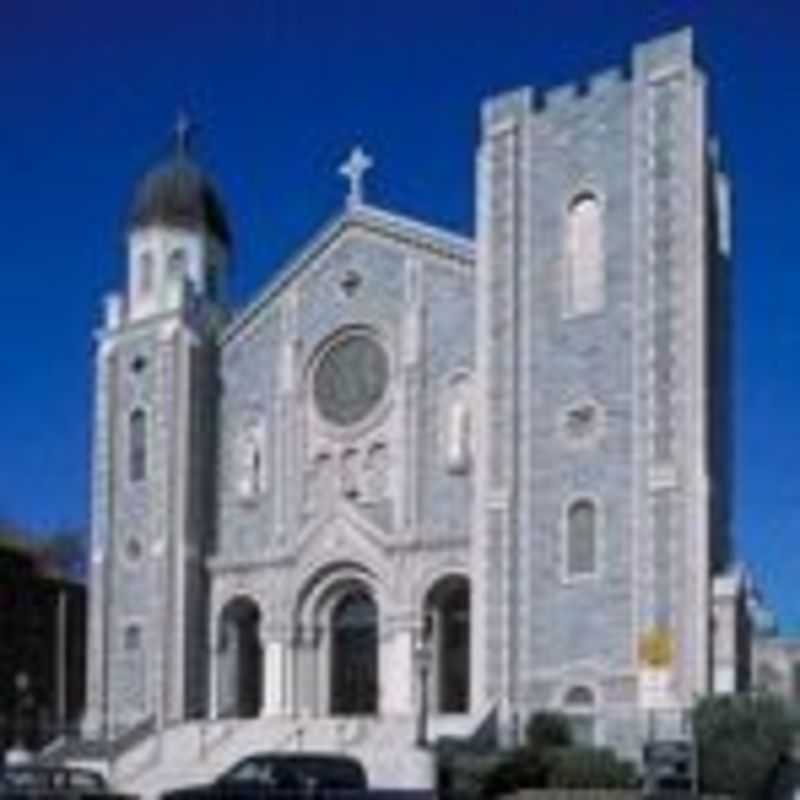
point(350, 379)
point(581, 422)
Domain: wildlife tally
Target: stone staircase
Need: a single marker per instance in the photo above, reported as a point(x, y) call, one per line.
point(198, 751)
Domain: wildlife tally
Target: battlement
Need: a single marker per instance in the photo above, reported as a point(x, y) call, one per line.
point(663, 54)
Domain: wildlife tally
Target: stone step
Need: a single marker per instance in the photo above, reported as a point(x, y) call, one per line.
point(198, 751)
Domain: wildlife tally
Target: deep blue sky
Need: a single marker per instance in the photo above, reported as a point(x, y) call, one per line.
point(282, 89)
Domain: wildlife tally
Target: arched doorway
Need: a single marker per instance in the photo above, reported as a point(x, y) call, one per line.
point(240, 657)
point(447, 615)
point(354, 654)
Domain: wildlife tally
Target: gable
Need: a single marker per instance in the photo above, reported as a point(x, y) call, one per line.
point(394, 233)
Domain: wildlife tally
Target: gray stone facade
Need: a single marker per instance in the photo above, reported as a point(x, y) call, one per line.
point(549, 436)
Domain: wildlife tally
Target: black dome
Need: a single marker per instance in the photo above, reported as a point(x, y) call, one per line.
point(177, 193)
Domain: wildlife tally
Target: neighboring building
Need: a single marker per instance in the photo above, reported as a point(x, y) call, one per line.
point(775, 659)
point(776, 667)
point(510, 451)
point(42, 649)
point(734, 626)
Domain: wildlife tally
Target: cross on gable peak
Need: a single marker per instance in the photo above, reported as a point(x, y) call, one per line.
point(354, 169)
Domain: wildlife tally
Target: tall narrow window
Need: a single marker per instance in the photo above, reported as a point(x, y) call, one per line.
point(138, 445)
point(584, 274)
point(176, 265)
point(146, 269)
point(132, 639)
point(581, 538)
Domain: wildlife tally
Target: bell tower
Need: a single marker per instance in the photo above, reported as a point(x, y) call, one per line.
point(155, 404)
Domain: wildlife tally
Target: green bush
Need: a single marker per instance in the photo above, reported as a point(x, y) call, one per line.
point(588, 768)
point(548, 759)
point(741, 740)
point(519, 769)
point(462, 768)
point(546, 729)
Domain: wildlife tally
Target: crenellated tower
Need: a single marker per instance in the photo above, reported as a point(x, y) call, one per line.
point(153, 453)
point(602, 494)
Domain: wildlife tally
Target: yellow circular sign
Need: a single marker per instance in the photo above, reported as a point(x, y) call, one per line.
point(656, 647)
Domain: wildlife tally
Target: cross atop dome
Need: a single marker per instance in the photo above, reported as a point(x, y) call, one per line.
point(183, 130)
point(354, 169)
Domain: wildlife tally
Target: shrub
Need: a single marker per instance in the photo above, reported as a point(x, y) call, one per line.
point(588, 768)
point(466, 776)
point(519, 769)
point(546, 729)
point(741, 740)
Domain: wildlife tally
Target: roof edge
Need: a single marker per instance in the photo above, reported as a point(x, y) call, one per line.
point(440, 242)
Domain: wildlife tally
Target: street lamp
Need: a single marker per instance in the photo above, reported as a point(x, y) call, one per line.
point(23, 704)
point(423, 658)
point(22, 685)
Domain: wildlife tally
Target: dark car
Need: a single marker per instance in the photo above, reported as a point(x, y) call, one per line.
point(285, 775)
point(23, 782)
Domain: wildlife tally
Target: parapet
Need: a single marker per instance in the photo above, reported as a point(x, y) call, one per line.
point(507, 108)
point(673, 50)
point(664, 53)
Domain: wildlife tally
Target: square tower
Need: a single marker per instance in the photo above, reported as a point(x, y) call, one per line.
point(602, 357)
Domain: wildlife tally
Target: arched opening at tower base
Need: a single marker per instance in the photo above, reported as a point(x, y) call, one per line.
point(240, 659)
point(447, 615)
point(354, 654)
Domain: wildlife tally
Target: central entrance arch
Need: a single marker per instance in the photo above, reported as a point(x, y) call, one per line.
point(354, 653)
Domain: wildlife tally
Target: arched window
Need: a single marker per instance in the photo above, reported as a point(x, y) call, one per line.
point(579, 708)
point(132, 638)
point(138, 445)
point(584, 275)
point(176, 265)
point(581, 538)
point(146, 268)
point(240, 659)
point(446, 614)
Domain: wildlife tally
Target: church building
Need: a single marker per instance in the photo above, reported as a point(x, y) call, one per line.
point(484, 475)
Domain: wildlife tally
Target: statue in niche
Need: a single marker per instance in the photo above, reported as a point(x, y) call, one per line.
point(349, 473)
point(458, 433)
point(252, 465)
point(376, 471)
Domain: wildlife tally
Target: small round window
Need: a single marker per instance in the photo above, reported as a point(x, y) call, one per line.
point(133, 549)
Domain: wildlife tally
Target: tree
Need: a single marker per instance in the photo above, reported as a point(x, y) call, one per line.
point(64, 552)
point(741, 740)
point(61, 551)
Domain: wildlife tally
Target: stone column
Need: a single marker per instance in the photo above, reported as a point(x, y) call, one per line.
point(303, 672)
point(319, 672)
point(275, 661)
point(213, 679)
point(396, 668)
